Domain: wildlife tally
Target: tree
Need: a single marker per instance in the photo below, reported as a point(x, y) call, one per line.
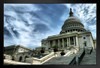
point(55, 48)
point(62, 53)
point(13, 57)
point(42, 50)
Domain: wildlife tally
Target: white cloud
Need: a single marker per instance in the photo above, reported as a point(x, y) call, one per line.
point(92, 27)
point(24, 36)
point(25, 7)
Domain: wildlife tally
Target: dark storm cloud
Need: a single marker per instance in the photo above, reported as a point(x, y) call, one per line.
point(41, 28)
point(7, 33)
point(9, 18)
point(15, 32)
point(51, 14)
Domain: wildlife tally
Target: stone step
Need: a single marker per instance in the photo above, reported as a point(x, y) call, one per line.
point(89, 59)
point(60, 60)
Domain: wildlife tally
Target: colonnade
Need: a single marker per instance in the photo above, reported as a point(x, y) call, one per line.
point(63, 42)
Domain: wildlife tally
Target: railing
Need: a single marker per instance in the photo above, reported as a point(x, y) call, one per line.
point(73, 61)
point(68, 53)
point(91, 51)
point(81, 57)
point(39, 61)
point(10, 62)
point(46, 57)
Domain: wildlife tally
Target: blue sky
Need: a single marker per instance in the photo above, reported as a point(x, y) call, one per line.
point(28, 24)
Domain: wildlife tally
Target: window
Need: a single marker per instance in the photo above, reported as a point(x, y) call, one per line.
point(85, 44)
point(83, 37)
point(31, 54)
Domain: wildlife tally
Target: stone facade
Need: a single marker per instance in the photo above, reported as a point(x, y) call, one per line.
point(21, 57)
point(81, 40)
point(95, 43)
point(15, 49)
point(18, 53)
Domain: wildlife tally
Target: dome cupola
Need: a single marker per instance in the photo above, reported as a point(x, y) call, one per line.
point(72, 24)
point(71, 13)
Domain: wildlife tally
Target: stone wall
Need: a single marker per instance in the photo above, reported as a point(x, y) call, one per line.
point(86, 41)
point(95, 44)
point(7, 57)
point(21, 49)
point(39, 61)
point(21, 57)
point(81, 40)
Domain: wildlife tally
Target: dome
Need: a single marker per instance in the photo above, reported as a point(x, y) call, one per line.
point(72, 18)
point(72, 24)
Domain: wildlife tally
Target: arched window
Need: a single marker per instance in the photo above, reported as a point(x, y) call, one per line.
point(25, 58)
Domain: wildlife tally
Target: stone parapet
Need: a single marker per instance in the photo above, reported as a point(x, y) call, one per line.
point(39, 61)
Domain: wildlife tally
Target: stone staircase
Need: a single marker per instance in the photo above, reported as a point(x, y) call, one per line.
point(89, 59)
point(80, 58)
point(61, 60)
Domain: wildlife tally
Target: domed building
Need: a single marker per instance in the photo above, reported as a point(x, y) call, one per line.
point(74, 45)
point(72, 24)
point(73, 33)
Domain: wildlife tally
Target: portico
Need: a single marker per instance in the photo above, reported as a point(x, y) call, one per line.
point(63, 42)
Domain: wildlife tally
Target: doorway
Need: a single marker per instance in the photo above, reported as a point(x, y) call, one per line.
point(20, 58)
point(25, 58)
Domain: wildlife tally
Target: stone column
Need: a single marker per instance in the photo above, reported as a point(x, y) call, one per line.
point(77, 41)
point(58, 43)
point(74, 41)
point(54, 43)
point(91, 41)
point(49, 46)
point(63, 42)
point(69, 41)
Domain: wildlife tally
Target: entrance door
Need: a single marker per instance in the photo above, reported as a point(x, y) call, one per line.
point(20, 59)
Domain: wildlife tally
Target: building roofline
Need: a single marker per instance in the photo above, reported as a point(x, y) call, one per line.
point(15, 46)
point(23, 47)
